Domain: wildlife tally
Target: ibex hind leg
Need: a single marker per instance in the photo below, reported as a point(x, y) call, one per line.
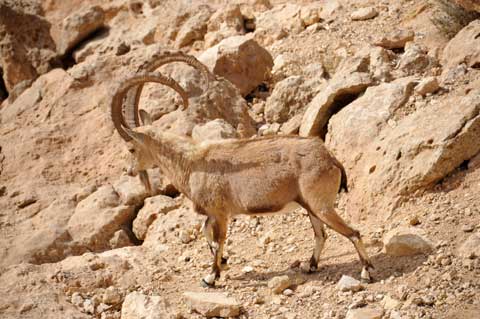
point(216, 233)
point(335, 222)
point(320, 239)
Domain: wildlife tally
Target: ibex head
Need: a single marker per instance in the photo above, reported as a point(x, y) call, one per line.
point(127, 117)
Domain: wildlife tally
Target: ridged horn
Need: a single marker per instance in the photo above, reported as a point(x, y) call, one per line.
point(165, 58)
point(116, 107)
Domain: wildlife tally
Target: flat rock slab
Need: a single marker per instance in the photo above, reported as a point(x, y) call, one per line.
point(140, 306)
point(212, 304)
point(364, 313)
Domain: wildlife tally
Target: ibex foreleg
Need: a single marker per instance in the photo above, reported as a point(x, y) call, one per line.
point(215, 231)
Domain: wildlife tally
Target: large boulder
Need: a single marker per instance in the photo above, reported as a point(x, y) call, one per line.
point(359, 123)
point(288, 98)
point(78, 26)
point(414, 153)
point(195, 27)
point(43, 238)
point(223, 24)
point(463, 48)
point(98, 217)
point(241, 60)
point(26, 47)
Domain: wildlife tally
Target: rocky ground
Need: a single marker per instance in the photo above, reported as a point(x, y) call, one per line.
point(391, 86)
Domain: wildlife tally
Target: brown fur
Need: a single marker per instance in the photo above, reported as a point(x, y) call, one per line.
point(248, 176)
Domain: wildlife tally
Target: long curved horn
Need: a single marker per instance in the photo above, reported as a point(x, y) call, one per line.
point(165, 58)
point(116, 107)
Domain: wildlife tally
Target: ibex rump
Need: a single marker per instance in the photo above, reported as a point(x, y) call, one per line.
point(241, 176)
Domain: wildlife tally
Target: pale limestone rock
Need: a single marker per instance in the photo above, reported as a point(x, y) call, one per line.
point(471, 247)
point(427, 86)
point(214, 130)
point(463, 48)
point(280, 283)
point(360, 122)
point(212, 304)
point(120, 239)
point(152, 209)
point(414, 60)
point(26, 46)
point(288, 98)
point(365, 313)
point(223, 24)
point(406, 241)
point(364, 14)
point(423, 147)
point(97, 218)
point(395, 40)
point(79, 25)
point(388, 303)
point(347, 283)
point(131, 190)
point(232, 59)
point(195, 27)
point(138, 305)
point(320, 108)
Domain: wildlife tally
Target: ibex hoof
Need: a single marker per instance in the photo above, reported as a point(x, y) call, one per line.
point(205, 284)
point(365, 277)
point(224, 260)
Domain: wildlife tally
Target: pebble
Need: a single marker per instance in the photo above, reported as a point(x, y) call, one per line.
point(347, 283)
point(364, 14)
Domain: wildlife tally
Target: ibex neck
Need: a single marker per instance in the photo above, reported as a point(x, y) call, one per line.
point(175, 159)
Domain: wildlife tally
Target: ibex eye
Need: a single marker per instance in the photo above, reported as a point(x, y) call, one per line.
point(131, 150)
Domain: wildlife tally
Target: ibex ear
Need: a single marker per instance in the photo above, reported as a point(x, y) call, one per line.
point(136, 136)
point(145, 117)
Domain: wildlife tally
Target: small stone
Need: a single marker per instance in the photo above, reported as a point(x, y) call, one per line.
point(288, 292)
point(111, 296)
point(395, 40)
point(247, 269)
point(414, 221)
point(185, 237)
point(279, 284)
point(212, 304)
point(88, 306)
point(469, 249)
point(406, 241)
point(389, 303)
point(76, 299)
point(364, 14)
point(347, 283)
point(364, 313)
point(427, 86)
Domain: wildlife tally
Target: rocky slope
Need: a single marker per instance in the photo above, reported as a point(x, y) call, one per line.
point(391, 86)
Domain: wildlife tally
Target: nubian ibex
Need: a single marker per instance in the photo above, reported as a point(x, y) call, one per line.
point(236, 176)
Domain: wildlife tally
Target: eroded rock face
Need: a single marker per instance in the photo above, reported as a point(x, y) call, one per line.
point(79, 25)
point(98, 217)
point(410, 154)
point(26, 47)
point(464, 47)
point(241, 60)
point(289, 98)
